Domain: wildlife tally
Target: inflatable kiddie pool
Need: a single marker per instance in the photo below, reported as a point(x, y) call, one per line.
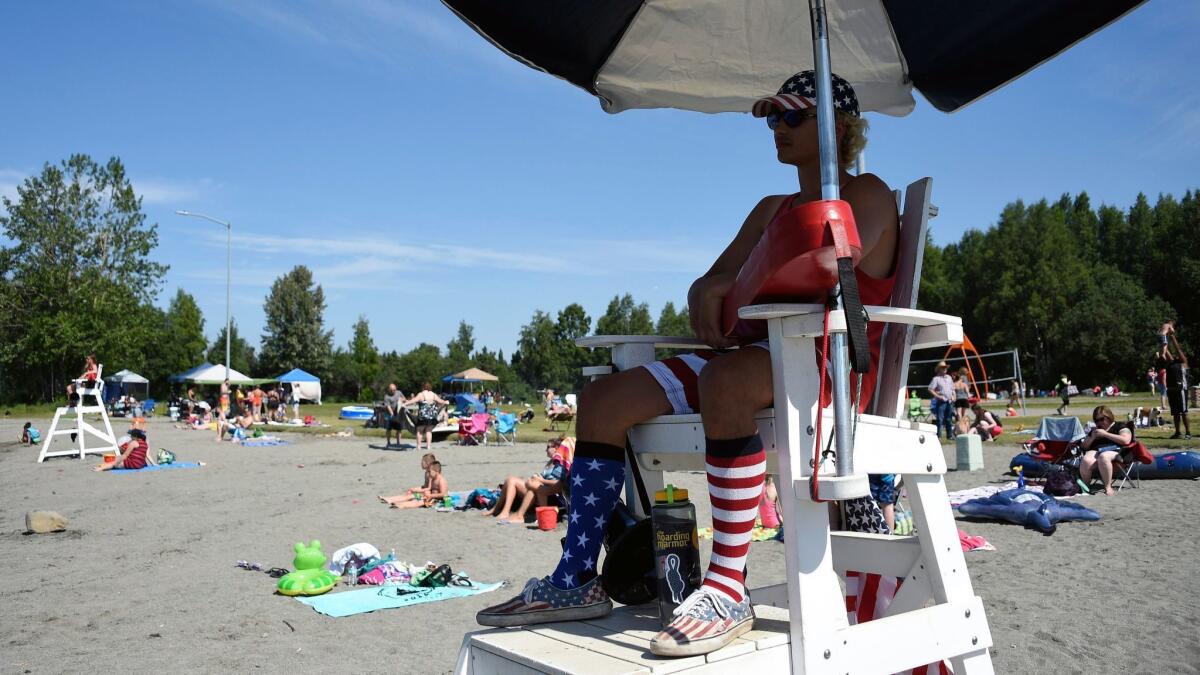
point(356, 412)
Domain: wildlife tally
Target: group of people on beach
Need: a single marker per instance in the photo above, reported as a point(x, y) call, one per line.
point(952, 398)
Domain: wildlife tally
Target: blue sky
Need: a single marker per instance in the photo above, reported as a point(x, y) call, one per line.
point(425, 177)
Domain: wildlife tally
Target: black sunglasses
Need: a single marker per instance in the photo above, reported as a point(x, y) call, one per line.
point(792, 118)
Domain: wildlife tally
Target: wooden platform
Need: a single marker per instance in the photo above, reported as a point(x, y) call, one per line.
point(619, 644)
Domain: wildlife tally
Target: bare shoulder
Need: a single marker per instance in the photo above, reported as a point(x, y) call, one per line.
point(764, 210)
point(869, 191)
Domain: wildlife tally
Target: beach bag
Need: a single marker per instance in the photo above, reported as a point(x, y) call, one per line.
point(165, 456)
point(1061, 484)
point(435, 578)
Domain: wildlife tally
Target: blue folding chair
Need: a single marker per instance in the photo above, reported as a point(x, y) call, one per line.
point(506, 428)
point(148, 407)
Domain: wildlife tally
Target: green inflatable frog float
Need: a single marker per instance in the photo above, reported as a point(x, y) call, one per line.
point(310, 577)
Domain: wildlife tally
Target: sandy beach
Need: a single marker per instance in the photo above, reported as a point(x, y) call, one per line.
point(144, 579)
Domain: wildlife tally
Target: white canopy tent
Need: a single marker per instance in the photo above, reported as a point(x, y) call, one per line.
point(214, 375)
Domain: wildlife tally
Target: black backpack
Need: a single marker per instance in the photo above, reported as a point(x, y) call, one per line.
point(1061, 484)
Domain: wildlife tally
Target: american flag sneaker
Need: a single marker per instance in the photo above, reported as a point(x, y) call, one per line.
point(542, 602)
point(705, 622)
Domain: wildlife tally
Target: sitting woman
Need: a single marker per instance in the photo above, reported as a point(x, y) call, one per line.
point(985, 424)
point(540, 487)
point(134, 453)
point(1102, 445)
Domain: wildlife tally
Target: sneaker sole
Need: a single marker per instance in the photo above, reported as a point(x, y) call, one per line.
point(703, 646)
point(596, 611)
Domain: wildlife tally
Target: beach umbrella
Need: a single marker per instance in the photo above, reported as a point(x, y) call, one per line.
point(723, 55)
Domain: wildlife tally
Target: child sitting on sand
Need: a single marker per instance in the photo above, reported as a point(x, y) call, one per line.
point(433, 495)
point(417, 493)
point(30, 435)
point(134, 453)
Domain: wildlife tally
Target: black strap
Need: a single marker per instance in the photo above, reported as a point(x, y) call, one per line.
point(638, 484)
point(856, 317)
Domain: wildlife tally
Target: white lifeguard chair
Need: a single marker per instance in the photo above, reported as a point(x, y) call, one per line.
point(108, 440)
point(802, 624)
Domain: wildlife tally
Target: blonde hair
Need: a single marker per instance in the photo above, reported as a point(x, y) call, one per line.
point(854, 138)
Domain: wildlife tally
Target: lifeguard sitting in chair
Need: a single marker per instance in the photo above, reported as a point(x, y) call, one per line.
point(727, 387)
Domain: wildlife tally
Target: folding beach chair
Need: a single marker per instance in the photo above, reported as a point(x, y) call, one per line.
point(1132, 454)
point(148, 407)
point(473, 430)
point(563, 416)
point(1055, 440)
point(506, 428)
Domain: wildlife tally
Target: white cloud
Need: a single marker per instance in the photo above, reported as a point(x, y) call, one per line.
point(377, 29)
point(167, 191)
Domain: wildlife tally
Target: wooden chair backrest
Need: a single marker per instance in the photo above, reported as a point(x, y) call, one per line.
point(894, 352)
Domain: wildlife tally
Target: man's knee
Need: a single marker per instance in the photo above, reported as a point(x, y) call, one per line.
point(733, 385)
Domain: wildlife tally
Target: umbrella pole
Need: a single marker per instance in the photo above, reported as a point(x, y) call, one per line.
point(839, 354)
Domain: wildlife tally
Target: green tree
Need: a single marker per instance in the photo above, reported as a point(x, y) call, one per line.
point(458, 350)
point(539, 358)
point(241, 354)
point(294, 334)
point(624, 317)
point(672, 323)
point(365, 360)
point(424, 363)
point(77, 277)
point(183, 345)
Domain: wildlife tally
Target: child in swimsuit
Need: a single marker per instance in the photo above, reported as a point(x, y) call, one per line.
point(415, 493)
point(432, 495)
point(134, 454)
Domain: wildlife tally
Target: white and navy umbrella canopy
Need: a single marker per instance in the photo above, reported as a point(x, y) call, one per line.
point(722, 55)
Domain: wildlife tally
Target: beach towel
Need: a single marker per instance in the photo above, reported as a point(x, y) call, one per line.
point(264, 442)
point(361, 601)
point(160, 467)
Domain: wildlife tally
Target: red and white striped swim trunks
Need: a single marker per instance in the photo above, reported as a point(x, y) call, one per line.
point(679, 377)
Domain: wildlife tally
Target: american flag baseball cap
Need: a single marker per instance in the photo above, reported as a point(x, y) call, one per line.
point(800, 93)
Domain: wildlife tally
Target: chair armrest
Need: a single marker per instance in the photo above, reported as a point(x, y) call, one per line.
point(595, 341)
point(630, 351)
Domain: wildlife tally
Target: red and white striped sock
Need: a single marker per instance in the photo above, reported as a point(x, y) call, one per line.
point(736, 468)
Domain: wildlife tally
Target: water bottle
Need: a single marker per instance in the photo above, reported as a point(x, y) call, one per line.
point(392, 555)
point(676, 549)
point(352, 572)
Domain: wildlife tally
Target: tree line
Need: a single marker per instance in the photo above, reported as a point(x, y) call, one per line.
point(1076, 289)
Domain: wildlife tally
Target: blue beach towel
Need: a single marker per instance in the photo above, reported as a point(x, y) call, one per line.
point(160, 467)
point(361, 601)
point(263, 442)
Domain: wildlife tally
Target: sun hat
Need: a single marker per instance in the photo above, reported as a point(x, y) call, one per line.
point(800, 93)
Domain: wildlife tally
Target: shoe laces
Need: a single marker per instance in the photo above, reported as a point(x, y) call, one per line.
point(527, 594)
point(694, 605)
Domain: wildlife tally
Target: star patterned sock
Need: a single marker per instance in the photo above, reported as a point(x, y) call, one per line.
point(597, 474)
point(736, 468)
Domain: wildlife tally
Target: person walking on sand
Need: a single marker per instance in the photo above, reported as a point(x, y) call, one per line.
point(941, 388)
point(727, 388)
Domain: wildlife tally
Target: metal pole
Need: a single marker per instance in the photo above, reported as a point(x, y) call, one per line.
point(228, 292)
point(228, 279)
point(839, 354)
point(1020, 380)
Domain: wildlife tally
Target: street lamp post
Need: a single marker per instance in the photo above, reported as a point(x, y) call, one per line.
point(228, 277)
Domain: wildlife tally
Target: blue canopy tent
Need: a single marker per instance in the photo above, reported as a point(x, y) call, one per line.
point(307, 384)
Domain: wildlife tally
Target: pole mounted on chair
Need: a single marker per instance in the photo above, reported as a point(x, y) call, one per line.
point(844, 296)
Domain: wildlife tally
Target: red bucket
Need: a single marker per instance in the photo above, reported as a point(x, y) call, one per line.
point(547, 517)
